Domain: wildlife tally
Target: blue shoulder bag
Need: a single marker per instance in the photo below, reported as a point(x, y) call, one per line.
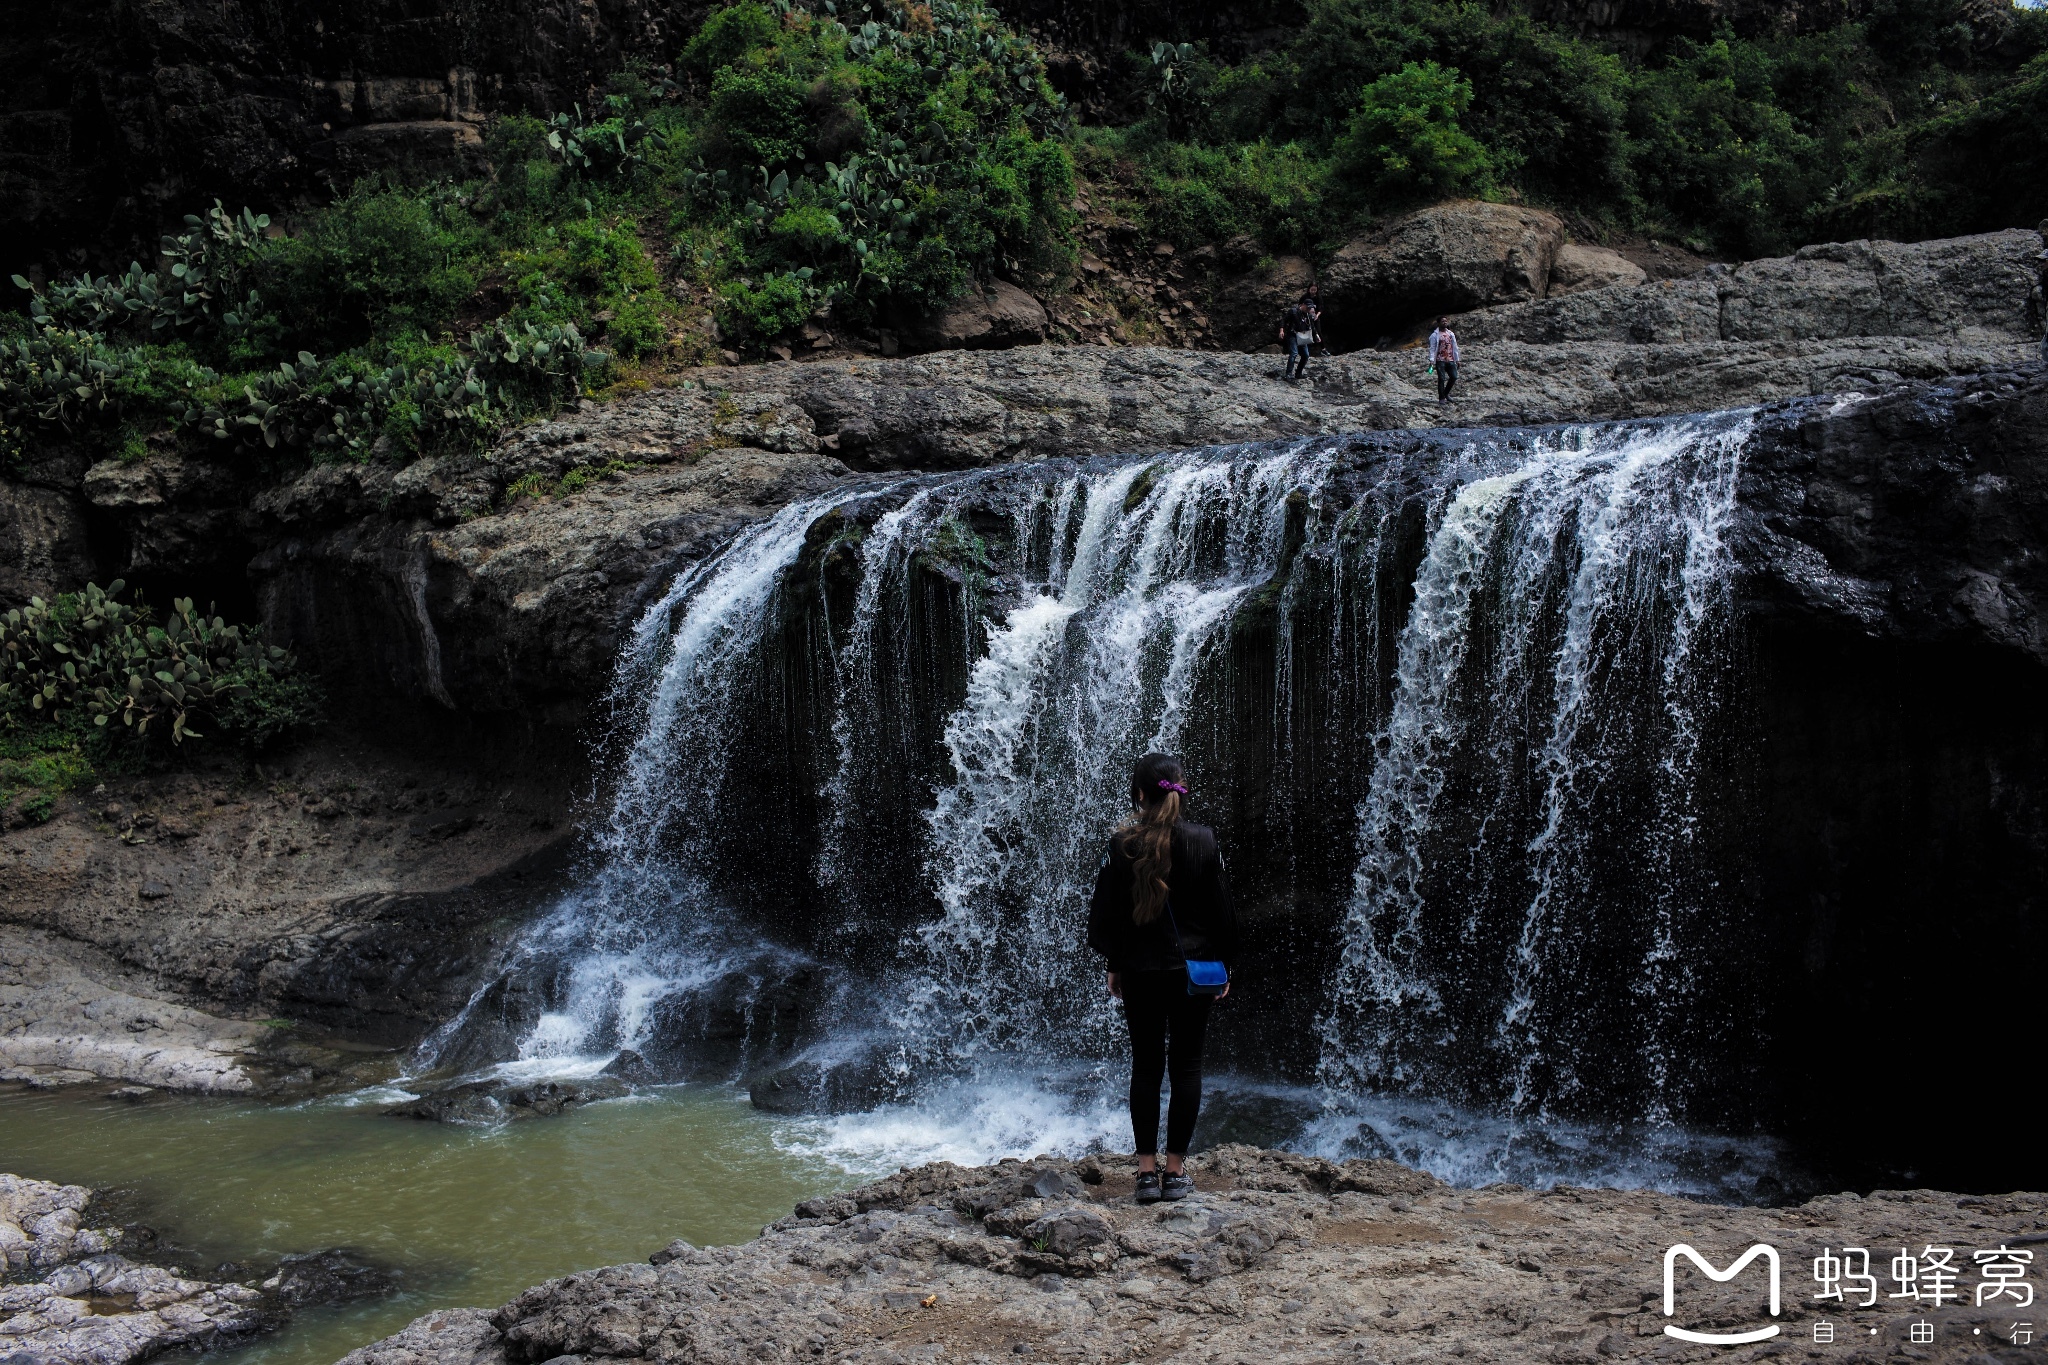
point(1205, 977)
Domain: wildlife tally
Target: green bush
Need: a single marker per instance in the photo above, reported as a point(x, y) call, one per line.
point(376, 262)
point(1403, 142)
point(761, 311)
point(727, 36)
point(760, 117)
point(1895, 122)
point(87, 658)
point(897, 160)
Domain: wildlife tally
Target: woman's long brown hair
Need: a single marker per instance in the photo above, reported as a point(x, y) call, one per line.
point(1148, 835)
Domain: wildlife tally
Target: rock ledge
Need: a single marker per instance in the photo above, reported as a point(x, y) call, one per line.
point(1279, 1257)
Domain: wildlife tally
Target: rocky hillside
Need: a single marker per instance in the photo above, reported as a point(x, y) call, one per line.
point(121, 117)
point(1278, 1258)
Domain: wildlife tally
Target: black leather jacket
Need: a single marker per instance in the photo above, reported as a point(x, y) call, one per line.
point(1198, 894)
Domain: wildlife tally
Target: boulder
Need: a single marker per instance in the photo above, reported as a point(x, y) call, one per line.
point(982, 320)
point(493, 1102)
point(335, 1275)
point(1962, 290)
point(1663, 313)
point(1971, 289)
point(753, 1016)
point(1579, 267)
point(1444, 259)
point(830, 1086)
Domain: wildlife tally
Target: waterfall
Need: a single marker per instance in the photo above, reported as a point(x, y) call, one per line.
point(1452, 702)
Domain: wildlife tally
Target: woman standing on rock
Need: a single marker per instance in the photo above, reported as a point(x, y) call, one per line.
point(1163, 918)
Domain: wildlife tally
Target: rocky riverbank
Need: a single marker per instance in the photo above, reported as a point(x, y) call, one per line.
point(68, 1296)
point(1279, 1257)
point(266, 929)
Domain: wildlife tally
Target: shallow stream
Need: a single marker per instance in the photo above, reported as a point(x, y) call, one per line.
point(468, 1216)
point(471, 1216)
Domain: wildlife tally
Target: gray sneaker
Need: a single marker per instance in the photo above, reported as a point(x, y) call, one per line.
point(1148, 1187)
point(1176, 1187)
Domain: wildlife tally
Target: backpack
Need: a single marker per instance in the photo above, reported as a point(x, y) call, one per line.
point(1300, 318)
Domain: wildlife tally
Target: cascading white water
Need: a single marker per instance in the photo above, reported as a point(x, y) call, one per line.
point(1095, 668)
point(643, 926)
point(1607, 552)
point(1093, 606)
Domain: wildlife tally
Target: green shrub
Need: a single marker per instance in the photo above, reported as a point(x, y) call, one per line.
point(727, 36)
point(1404, 144)
point(1178, 86)
point(760, 117)
point(269, 705)
point(762, 311)
point(87, 658)
point(897, 159)
point(804, 235)
point(1189, 193)
point(375, 262)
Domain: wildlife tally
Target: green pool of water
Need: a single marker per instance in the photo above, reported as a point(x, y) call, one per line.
point(470, 1216)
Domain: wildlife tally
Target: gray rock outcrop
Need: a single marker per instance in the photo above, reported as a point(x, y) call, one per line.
point(1278, 1257)
point(488, 1103)
point(1447, 258)
point(1000, 316)
point(1579, 267)
point(67, 1298)
point(1968, 290)
point(69, 1013)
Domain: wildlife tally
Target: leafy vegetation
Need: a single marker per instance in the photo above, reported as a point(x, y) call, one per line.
point(801, 164)
point(90, 684)
point(87, 658)
point(795, 164)
point(1918, 118)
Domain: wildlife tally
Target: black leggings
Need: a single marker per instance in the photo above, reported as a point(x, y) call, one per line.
point(1446, 378)
point(1157, 1004)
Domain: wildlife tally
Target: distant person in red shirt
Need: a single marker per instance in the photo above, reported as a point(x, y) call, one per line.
point(1443, 358)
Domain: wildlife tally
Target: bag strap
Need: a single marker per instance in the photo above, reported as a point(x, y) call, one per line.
point(1174, 925)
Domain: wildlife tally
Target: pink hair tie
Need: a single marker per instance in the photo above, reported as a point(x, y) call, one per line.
point(1173, 787)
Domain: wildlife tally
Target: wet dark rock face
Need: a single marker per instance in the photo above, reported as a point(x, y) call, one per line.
point(120, 116)
point(335, 1275)
point(1896, 686)
point(487, 1103)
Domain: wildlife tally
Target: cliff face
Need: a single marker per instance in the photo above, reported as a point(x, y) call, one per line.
point(118, 115)
point(425, 582)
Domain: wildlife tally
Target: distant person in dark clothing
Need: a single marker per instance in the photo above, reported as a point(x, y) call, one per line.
point(1162, 900)
point(1443, 358)
point(1298, 333)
